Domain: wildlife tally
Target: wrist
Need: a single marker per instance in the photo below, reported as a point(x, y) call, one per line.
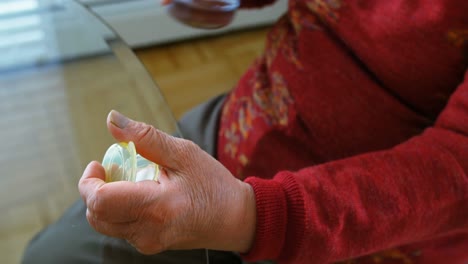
point(237, 233)
point(247, 223)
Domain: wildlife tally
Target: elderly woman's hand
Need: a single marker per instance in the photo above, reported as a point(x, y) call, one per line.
point(197, 203)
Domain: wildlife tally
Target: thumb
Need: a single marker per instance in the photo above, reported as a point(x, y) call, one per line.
point(150, 142)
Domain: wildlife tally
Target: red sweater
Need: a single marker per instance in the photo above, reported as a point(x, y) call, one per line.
point(353, 131)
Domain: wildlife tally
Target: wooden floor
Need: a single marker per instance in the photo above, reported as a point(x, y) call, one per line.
point(188, 73)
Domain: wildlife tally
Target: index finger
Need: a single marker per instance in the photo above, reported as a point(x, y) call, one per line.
point(92, 179)
point(100, 197)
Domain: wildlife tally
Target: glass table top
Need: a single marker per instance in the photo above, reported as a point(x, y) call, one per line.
point(61, 71)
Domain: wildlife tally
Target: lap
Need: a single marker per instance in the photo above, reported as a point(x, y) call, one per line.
point(200, 125)
point(73, 240)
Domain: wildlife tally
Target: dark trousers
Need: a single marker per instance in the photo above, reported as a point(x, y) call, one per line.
point(72, 240)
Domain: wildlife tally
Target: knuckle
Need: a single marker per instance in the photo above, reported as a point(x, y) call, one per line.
point(133, 236)
point(90, 218)
point(96, 203)
point(91, 203)
point(188, 148)
point(95, 223)
point(191, 146)
point(144, 133)
point(142, 242)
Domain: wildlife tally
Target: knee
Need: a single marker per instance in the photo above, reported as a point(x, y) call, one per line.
point(38, 250)
point(69, 240)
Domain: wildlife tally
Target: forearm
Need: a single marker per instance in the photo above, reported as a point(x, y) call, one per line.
point(370, 202)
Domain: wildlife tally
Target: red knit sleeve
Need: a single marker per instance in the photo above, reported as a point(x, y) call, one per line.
point(415, 191)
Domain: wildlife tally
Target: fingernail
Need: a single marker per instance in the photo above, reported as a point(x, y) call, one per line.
point(118, 120)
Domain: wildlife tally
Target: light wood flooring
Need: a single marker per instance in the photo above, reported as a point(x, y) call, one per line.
point(57, 118)
point(190, 73)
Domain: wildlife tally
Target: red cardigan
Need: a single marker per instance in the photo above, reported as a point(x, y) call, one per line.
point(353, 131)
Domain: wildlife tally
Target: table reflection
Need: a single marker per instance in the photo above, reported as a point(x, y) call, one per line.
point(61, 71)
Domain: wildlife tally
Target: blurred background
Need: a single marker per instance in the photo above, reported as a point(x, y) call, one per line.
point(58, 81)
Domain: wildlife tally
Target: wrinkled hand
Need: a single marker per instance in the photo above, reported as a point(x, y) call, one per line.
point(197, 203)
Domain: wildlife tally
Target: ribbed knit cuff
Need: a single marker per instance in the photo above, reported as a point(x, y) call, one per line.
point(270, 230)
point(296, 221)
point(280, 224)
